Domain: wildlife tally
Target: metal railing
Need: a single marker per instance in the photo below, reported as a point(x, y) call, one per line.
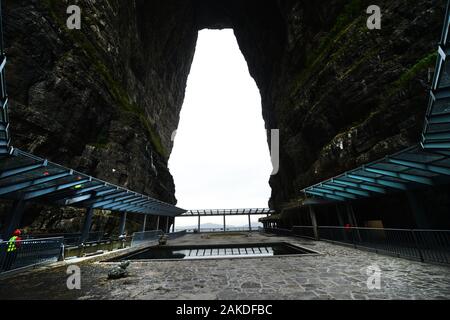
point(304, 231)
point(178, 234)
point(146, 236)
point(424, 245)
point(25, 253)
point(231, 229)
point(279, 231)
point(71, 239)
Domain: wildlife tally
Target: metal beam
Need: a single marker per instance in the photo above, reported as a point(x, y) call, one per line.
point(78, 199)
point(401, 175)
point(119, 203)
point(336, 193)
point(97, 198)
point(77, 195)
point(118, 207)
point(138, 201)
point(387, 183)
point(324, 195)
point(101, 204)
point(32, 182)
point(42, 192)
point(421, 166)
point(128, 198)
point(361, 186)
point(24, 169)
point(113, 189)
point(345, 189)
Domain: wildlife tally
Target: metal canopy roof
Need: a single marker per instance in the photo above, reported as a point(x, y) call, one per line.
point(227, 212)
point(407, 170)
point(30, 178)
point(427, 164)
point(436, 134)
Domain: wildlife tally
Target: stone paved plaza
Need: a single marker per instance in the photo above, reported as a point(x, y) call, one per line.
point(337, 273)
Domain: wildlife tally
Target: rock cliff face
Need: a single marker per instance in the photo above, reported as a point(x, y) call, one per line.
point(105, 99)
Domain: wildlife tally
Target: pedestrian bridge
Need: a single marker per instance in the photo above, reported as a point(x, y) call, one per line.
point(224, 213)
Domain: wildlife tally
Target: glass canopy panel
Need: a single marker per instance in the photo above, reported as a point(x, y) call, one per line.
point(377, 176)
point(444, 80)
point(389, 167)
point(32, 175)
point(54, 183)
point(443, 163)
point(438, 127)
point(422, 173)
point(441, 106)
point(77, 192)
point(366, 174)
point(10, 163)
point(350, 180)
point(419, 157)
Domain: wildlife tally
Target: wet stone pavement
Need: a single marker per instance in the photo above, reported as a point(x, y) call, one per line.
point(337, 273)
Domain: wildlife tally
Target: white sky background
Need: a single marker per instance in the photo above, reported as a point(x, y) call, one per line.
point(220, 158)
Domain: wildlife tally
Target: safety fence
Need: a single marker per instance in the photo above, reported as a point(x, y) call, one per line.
point(230, 229)
point(178, 234)
point(72, 239)
point(140, 238)
point(424, 245)
point(146, 236)
point(23, 253)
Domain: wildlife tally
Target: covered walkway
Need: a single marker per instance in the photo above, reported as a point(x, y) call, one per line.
point(27, 178)
point(421, 166)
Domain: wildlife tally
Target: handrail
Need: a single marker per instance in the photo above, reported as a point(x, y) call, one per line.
point(418, 244)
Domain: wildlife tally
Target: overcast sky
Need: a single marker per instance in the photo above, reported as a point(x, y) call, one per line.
point(221, 158)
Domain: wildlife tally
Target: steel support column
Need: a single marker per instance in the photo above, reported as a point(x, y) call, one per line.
point(352, 219)
point(14, 218)
point(166, 229)
point(157, 223)
point(351, 215)
point(123, 222)
point(87, 225)
point(418, 211)
point(249, 223)
point(145, 223)
point(312, 214)
point(224, 223)
point(340, 217)
point(341, 220)
point(199, 224)
point(173, 225)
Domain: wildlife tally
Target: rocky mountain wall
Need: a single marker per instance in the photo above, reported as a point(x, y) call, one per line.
point(105, 99)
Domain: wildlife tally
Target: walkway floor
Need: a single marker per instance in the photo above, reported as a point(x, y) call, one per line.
point(339, 273)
